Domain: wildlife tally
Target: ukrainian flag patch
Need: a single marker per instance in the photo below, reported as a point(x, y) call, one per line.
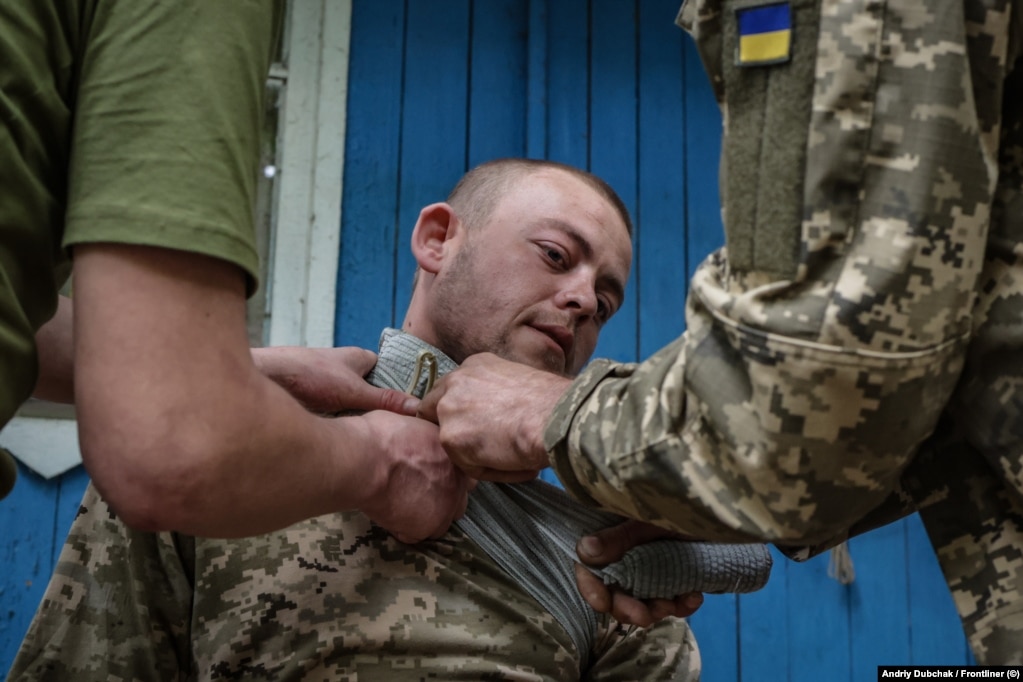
point(765, 34)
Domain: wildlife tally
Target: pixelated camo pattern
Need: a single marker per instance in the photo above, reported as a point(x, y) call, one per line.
point(333, 598)
point(805, 408)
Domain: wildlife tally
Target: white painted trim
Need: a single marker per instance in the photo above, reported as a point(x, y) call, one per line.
point(47, 445)
point(307, 224)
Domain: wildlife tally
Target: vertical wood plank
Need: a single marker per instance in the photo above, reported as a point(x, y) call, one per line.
point(936, 633)
point(434, 122)
point(537, 75)
point(568, 82)
point(27, 522)
point(328, 174)
point(302, 300)
point(660, 267)
point(879, 604)
point(715, 626)
point(369, 209)
point(498, 94)
point(817, 611)
point(35, 520)
point(764, 629)
point(880, 561)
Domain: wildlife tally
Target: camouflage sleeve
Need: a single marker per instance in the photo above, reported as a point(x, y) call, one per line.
point(975, 523)
point(118, 605)
point(977, 533)
point(824, 340)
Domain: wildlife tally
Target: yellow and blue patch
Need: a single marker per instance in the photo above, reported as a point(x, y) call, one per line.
point(765, 34)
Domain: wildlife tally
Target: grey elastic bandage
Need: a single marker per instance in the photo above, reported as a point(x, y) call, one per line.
point(531, 529)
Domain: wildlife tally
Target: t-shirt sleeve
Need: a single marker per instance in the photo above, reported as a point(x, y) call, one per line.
point(167, 126)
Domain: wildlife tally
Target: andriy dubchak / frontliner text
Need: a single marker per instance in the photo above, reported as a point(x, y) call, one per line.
point(885, 672)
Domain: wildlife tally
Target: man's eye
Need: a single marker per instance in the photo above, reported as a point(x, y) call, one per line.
point(556, 256)
point(603, 311)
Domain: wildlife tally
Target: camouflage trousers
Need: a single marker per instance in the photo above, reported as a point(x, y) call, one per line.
point(855, 352)
point(332, 598)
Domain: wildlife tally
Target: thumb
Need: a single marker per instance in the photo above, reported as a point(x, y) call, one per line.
point(600, 548)
point(610, 544)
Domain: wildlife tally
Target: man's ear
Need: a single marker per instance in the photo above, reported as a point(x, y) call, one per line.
point(437, 226)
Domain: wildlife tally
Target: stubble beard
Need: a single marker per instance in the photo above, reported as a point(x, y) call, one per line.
point(456, 297)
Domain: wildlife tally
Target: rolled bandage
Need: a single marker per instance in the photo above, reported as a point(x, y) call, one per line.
point(665, 568)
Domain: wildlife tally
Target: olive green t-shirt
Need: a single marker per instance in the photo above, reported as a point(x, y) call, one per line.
point(129, 122)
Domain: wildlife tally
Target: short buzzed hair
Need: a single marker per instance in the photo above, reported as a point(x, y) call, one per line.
point(478, 192)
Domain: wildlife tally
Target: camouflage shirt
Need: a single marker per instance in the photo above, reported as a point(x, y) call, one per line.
point(331, 598)
point(855, 351)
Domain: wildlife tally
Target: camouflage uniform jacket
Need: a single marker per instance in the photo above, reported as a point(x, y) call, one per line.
point(855, 351)
point(332, 598)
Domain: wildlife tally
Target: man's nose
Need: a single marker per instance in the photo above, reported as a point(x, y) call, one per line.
point(579, 296)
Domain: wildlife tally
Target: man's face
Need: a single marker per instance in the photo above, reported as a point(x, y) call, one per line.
point(536, 283)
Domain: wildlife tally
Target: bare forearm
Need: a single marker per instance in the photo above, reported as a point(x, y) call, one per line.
point(55, 344)
point(262, 462)
point(177, 426)
point(180, 429)
point(240, 457)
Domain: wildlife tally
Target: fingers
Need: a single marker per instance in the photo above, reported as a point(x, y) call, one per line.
point(367, 398)
point(644, 613)
point(631, 611)
point(659, 609)
point(622, 607)
point(592, 589)
point(396, 401)
point(428, 405)
point(610, 544)
point(687, 604)
point(600, 549)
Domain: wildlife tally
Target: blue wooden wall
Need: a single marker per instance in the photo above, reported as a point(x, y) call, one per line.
point(437, 86)
point(34, 520)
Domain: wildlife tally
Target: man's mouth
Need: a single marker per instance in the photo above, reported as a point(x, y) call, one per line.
point(560, 335)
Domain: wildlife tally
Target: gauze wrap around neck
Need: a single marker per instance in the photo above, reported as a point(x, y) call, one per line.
point(531, 529)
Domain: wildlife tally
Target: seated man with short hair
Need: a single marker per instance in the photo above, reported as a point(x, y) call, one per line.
point(527, 260)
